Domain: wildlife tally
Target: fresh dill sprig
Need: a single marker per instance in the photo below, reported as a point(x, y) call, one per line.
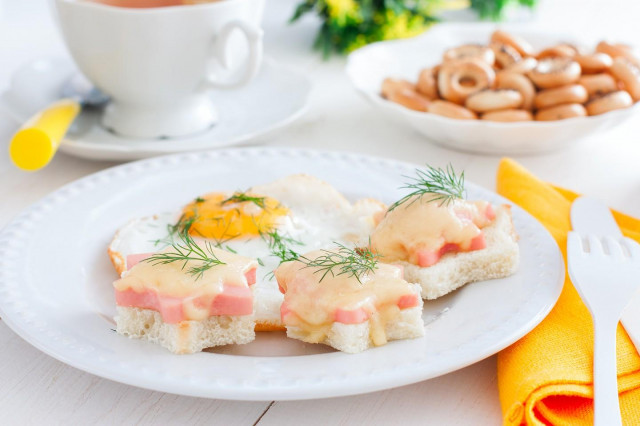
point(356, 262)
point(188, 251)
point(199, 200)
point(444, 184)
point(279, 245)
point(183, 224)
point(243, 197)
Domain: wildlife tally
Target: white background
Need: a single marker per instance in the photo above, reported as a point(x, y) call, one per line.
point(35, 388)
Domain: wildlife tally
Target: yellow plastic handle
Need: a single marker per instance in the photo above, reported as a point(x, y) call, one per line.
point(35, 144)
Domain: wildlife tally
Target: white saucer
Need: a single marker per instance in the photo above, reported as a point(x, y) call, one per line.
point(276, 97)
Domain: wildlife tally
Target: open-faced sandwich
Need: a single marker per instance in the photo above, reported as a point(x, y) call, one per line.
point(347, 299)
point(187, 297)
point(442, 240)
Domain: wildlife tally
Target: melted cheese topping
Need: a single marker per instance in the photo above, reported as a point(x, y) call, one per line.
point(313, 305)
point(171, 279)
point(427, 225)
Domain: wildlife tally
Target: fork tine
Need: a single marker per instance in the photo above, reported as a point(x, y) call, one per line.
point(574, 243)
point(633, 248)
point(615, 249)
point(595, 245)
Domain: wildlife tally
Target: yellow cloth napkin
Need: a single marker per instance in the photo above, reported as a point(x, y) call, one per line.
point(547, 376)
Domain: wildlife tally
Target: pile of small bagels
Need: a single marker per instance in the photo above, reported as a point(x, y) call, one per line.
point(508, 81)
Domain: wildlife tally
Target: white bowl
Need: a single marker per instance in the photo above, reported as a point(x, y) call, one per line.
point(369, 66)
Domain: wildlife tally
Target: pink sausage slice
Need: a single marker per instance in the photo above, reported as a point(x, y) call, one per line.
point(234, 300)
point(431, 257)
point(134, 259)
point(359, 315)
point(353, 316)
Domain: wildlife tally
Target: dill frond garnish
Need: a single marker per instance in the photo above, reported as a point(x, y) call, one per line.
point(188, 251)
point(243, 197)
point(183, 224)
point(356, 262)
point(226, 236)
point(199, 200)
point(229, 249)
point(443, 184)
point(279, 245)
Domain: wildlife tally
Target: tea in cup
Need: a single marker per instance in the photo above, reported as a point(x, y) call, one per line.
point(150, 3)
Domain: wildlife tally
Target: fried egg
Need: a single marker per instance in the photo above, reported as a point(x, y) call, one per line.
point(299, 213)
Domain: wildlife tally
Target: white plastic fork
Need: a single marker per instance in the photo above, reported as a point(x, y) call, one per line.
point(606, 273)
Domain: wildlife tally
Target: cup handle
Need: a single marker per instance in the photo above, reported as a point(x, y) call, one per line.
point(220, 53)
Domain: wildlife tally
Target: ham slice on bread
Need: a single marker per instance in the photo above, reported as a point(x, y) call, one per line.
point(169, 304)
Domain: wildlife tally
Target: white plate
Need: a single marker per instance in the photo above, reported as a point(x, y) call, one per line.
point(369, 66)
point(276, 97)
point(55, 284)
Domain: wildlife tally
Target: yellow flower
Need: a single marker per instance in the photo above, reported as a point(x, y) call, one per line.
point(342, 10)
point(402, 26)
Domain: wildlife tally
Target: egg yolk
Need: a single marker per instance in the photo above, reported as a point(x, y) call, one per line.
point(222, 216)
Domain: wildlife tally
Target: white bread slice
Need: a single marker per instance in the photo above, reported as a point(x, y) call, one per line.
point(500, 258)
point(185, 337)
point(354, 338)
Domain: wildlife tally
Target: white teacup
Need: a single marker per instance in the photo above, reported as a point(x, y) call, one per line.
point(159, 64)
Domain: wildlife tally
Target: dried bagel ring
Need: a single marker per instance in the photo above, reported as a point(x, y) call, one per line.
point(616, 50)
point(521, 45)
point(569, 94)
point(598, 84)
point(427, 84)
point(594, 63)
point(519, 82)
point(505, 55)
point(629, 74)
point(491, 100)
point(508, 115)
point(558, 51)
point(390, 85)
point(469, 51)
point(411, 99)
point(523, 66)
point(609, 102)
point(554, 72)
point(561, 112)
point(451, 110)
point(457, 80)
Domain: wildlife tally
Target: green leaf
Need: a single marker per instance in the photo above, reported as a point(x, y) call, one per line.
point(302, 9)
point(369, 23)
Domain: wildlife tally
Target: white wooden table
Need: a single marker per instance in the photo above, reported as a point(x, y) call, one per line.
point(35, 388)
